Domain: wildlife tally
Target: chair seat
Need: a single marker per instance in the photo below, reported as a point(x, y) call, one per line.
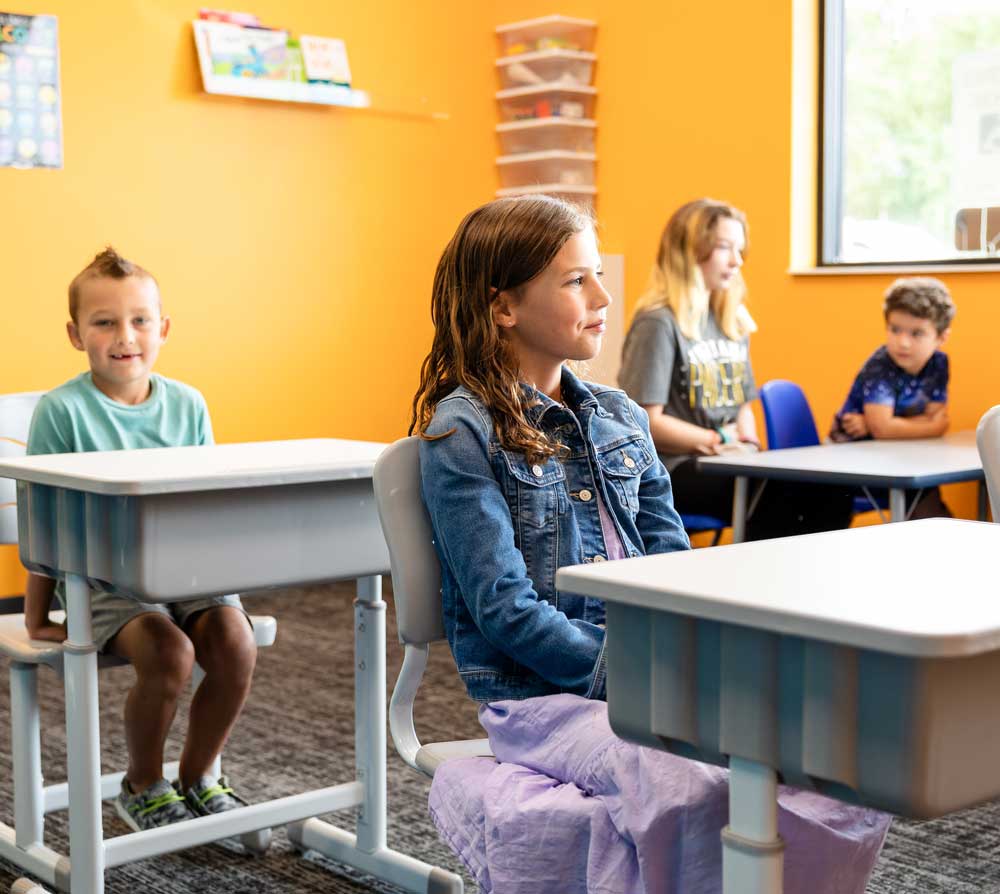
point(16, 645)
point(430, 757)
point(696, 523)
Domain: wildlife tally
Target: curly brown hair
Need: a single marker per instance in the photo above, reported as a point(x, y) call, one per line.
point(923, 297)
point(497, 248)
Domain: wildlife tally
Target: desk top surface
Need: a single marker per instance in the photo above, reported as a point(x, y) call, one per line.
point(184, 469)
point(923, 588)
point(923, 462)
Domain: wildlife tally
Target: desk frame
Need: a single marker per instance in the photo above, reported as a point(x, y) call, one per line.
point(92, 854)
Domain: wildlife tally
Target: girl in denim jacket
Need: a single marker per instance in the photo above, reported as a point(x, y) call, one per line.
point(526, 468)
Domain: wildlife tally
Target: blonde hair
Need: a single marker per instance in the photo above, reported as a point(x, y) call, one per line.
point(676, 281)
point(499, 247)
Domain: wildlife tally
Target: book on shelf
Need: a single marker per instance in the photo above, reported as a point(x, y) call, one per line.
point(325, 60)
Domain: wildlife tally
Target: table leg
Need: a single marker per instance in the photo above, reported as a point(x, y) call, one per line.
point(367, 849)
point(752, 850)
point(86, 833)
point(369, 711)
point(897, 504)
point(740, 486)
point(982, 502)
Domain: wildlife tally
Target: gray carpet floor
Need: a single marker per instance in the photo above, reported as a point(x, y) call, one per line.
point(297, 733)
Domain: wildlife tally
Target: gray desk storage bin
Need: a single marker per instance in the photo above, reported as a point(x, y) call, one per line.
point(901, 733)
point(113, 537)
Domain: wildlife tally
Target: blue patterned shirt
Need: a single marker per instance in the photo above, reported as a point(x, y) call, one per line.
point(881, 381)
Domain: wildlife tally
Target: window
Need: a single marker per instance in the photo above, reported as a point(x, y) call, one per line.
point(910, 131)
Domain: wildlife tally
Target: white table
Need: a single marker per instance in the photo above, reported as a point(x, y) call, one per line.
point(862, 663)
point(896, 465)
point(186, 522)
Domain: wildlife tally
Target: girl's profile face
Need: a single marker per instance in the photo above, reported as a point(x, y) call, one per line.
point(726, 257)
point(560, 314)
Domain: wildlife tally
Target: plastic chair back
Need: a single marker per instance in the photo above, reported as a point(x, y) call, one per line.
point(988, 442)
point(416, 591)
point(416, 575)
point(787, 416)
point(15, 420)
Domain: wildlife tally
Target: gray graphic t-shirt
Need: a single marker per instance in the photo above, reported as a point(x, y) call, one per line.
point(703, 381)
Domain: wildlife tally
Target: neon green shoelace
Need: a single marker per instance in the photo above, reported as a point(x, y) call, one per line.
point(163, 800)
point(210, 793)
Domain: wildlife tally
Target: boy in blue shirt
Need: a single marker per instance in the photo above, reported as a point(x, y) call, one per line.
point(902, 389)
point(121, 404)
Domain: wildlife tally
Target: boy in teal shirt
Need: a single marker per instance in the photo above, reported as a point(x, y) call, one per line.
point(120, 404)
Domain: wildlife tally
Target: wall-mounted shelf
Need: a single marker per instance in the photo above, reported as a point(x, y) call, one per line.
point(551, 189)
point(269, 88)
point(547, 106)
point(298, 91)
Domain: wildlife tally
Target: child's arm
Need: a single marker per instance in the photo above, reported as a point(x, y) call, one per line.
point(659, 524)
point(474, 536)
point(37, 598)
point(882, 424)
point(746, 425)
point(673, 435)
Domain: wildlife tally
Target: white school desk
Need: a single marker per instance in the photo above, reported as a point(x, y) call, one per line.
point(897, 465)
point(185, 522)
point(862, 663)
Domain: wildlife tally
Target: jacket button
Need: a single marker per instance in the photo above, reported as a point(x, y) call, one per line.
point(586, 496)
point(598, 558)
point(537, 471)
point(629, 462)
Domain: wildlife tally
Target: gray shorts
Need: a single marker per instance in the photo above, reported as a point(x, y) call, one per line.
point(112, 611)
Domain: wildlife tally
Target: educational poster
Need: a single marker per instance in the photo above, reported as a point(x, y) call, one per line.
point(30, 118)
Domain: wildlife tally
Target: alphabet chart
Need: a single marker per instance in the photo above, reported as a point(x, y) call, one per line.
point(30, 116)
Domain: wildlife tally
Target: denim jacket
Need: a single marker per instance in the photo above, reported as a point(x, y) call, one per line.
point(502, 526)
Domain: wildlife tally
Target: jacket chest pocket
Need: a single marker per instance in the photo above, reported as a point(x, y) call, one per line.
point(535, 491)
point(622, 467)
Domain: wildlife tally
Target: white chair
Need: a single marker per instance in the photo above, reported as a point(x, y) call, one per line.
point(416, 591)
point(32, 798)
point(988, 442)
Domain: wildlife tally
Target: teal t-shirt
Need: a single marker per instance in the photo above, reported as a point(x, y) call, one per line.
point(77, 417)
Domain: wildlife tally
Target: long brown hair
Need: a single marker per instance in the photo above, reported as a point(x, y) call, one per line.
point(497, 248)
point(676, 281)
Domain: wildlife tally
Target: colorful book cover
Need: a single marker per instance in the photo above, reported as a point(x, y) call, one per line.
point(30, 110)
point(325, 60)
point(248, 52)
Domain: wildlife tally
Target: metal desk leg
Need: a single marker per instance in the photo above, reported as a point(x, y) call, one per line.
point(897, 504)
point(367, 850)
point(752, 851)
point(86, 834)
point(740, 487)
point(369, 711)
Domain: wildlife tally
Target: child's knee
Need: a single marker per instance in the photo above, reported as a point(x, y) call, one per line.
point(225, 642)
point(161, 653)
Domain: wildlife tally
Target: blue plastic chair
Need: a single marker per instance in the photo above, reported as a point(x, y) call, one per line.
point(698, 524)
point(789, 422)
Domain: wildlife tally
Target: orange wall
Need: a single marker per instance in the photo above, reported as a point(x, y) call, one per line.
point(294, 245)
point(695, 99)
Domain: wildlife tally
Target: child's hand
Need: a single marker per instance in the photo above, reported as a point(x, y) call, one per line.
point(938, 417)
point(49, 632)
point(854, 424)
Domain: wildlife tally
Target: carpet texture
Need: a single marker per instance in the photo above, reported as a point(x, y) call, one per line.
point(297, 733)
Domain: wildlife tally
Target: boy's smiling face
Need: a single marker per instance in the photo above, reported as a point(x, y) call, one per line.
point(120, 327)
point(911, 341)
